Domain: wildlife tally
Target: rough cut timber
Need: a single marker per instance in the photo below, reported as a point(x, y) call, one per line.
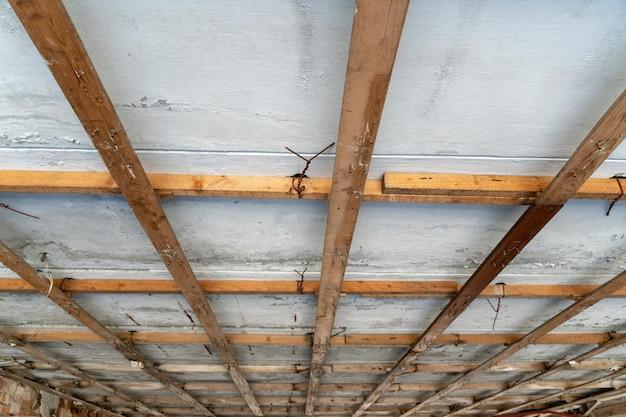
point(53, 33)
point(427, 188)
point(605, 137)
point(30, 275)
point(376, 31)
point(617, 341)
point(616, 283)
point(40, 355)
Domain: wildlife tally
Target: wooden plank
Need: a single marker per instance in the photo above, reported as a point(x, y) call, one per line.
point(605, 137)
point(376, 31)
point(616, 283)
point(40, 386)
point(604, 396)
point(72, 370)
point(39, 335)
point(556, 368)
point(523, 187)
point(63, 300)
point(379, 288)
point(54, 35)
point(339, 368)
point(426, 188)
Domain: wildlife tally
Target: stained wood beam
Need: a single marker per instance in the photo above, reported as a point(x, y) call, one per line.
point(376, 31)
point(63, 300)
point(41, 386)
point(378, 288)
point(42, 356)
point(54, 35)
point(604, 396)
point(426, 188)
point(578, 307)
point(603, 139)
point(161, 337)
point(567, 365)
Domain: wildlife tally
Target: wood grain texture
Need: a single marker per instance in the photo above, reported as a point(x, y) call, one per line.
point(48, 334)
point(376, 31)
point(63, 300)
point(42, 356)
point(53, 33)
point(616, 283)
point(593, 150)
point(556, 368)
point(40, 386)
point(377, 288)
point(410, 188)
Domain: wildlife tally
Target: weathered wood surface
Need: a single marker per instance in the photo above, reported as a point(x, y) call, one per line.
point(376, 31)
point(54, 35)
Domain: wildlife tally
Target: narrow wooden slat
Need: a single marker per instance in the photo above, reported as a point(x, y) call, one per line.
point(378, 288)
point(5, 373)
point(603, 139)
point(426, 188)
point(339, 368)
point(28, 274)
point(616, 283)
point(53, 33)
point(38, 335)
point(376, 31)
point(570, 364)
point(71, 370)
point(473, 185)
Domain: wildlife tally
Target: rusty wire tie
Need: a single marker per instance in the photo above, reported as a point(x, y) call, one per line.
point(617, 178)
point(296, 179)
point(8, 207)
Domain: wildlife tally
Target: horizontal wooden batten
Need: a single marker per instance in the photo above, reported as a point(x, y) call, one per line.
point(354, 339)
point(446, 288)
point(395, 188)
point(338, 368)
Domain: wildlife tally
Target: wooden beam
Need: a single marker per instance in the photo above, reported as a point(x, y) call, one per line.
point(53, 33)
point(616, 283)
point(338, 368)
point(28, 274)
point(378, 288)
point(559, 395)
point(376, 31)
point(604, 396)
point(569, 364)
point(426, 188)
point(41, 386)
point(603, 139)
point(72, 370)
point(47, 334)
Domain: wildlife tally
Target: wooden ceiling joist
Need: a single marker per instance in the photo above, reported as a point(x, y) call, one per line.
point(376, 31)
point(603, 396)
point(603, 139)
point(374, 288)
point(576, 308)
point(426, 188)
point(41, 386)
point(569, 364)
point(54, 35)
point(162, 337)
point(63, 300)
point(42, 356)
